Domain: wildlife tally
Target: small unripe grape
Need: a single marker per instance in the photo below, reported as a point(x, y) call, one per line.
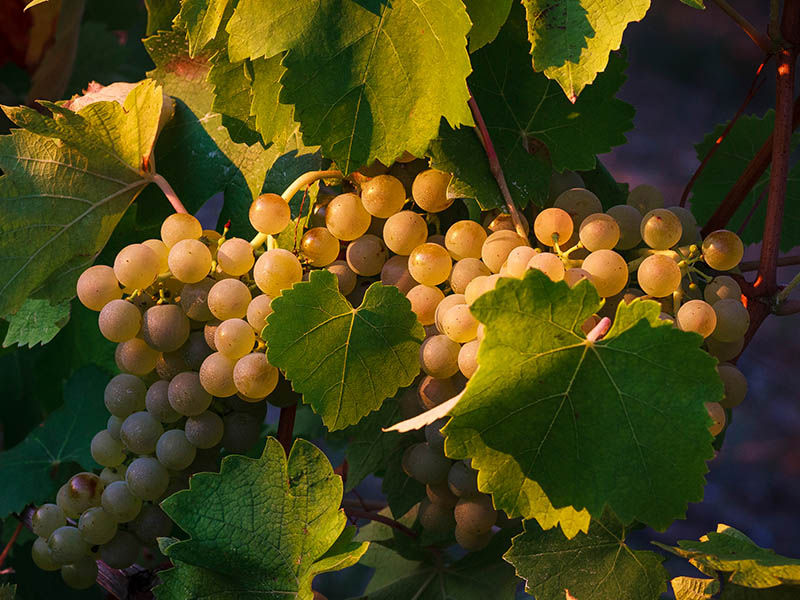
point(599, 231)
point(458, 324)
point(395, 272)
point(46, 519)
point(174, 451)
point(722, 250)
point(697, 316)
point(732, 320)
point(444, 306)
point(645, 198)
point(270, 214)
point(430, 190)
point(121, 552)
point(97, 286)
point(216, 375)
point(180, 226)
point(578, 203)
point(426, 465)
point(162, 251)
point(344, 275)
point(467, 269)
point(254, 376)
point(661, 229)
point(106, 451)
point(498, 246)
point(42, 557)
point(165, 327)
point(204, 430)
point(140, 432)
point(136, 266)
point(119, 321)
point(435, 517)
point(229, 299)
point(462, 480)
point(549, 264)
point(424, 300)
point(119, 502)
point(319, 246)
point(550, 223)
point(383, 196)
point(346, 218)
point(468, 358)
point(66, 545)
point(464, 239)
point(234, 338)
point(658, 275)
point(717, 414)
point(97, 526)
point(277, 270)
point(187, 396)
point(735, 385)
point(147, 478)
point(124, 394)
point(366, 255)
point(189, 261)
point(518, 260)
point(235, 256)
point(629, 220)
point(475, 513)
point(609, 272)
point(429, 264)
point(404, 231)
point(438, 356)
point(722, 287)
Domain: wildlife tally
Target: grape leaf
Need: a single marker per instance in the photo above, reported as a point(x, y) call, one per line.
point(694, 588)
point(620, 422)
point(783, 592)
point(367, 80)
point(232, 97)
point(261, 527)
point(345, 361)
point(728, 550)
point(273, 120)
point(160, 14)
point(37, 465)
point(597, 564)
point(65, 185)
point(695, 4)
point(402, 492)
point(36, 322)
point(604, 186)
point(487, 19)
point(720, 173)
point(201, 19)
point(571, 39)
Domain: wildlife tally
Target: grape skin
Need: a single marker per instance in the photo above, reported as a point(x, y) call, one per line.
point(430, 190)
point(475, 513)
point(518, 260)
point(579, 203)
point(346, 218)
point(722, 250)
point(136, 266)
point(629, 220)
point(254, 377)
point(735, 385)
point(429, 264)
point(234, 338)
point(165, 327)
point(157, 402)
point(366, 255)
point(722, 287)
point(468, 358)
point(118, 501)
point(257, 312)
point(42, 557)
point(609, 272)
point(464, 239)
point(97, 526)
point(717, 414)
point(645, 198)
point(661, 229)
point(550, 223)
point(458, 324)
point(119, 321)
point(438, 356)
point(189, 261)
point(81, 574)
point(124, 394)
point(140, 432)
point(107, 451)
point(345, 277)
point(194, 299)
point(319, 247)
point(404, 231)
point(426, 465)
point(733, 320)
point(424, 300)
point(121, 552)
point(235, 256)
point(97, 286)
point(435, 517)
point(66, 545)
point(204, 430)
point(561, 182)
point(498, 246)
point(549, 264)
point(658, 275)
point(599, 231)
point(383, 196)
point(697, 316)
point(724, 350)
point(188, 395)
point(46, 519)
point(229, 299)
point(147, 479)
point(270, 214)
point(174, 451)
point(444, 306)
point(395, 272)
point(275, 271)
point(180, 226)
point(216, 375)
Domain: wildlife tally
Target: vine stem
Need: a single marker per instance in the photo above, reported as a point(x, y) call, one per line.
point(790, 307)
point(494, 165)
point(761, 40)
point(165, 187)
point(10, 543)
point(364, 514)
point(782, 296)
point(286, 427)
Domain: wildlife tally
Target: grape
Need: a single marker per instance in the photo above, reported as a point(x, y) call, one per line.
point(174, 451)
point(599, 231)
point(140, 432)
point(374, 169)
point(135, 357)
point(162, 252)
point(383, 196)
point(157, 402)
point(475, 513)
point(395, 272)
point(574, 275)
point(165, 327)
point(518, 260)
point(498, 246)
point(229, 299)
point(119, 321)
point(204, 430)
point(724, 350)
point(97, 286)
point(209, 331)
point(346, 278)
point(216, 375)
point(82, 491)
point(579, 203)
point(468, 358)
point(462, 480)
point(257, 312)
point(170, 364)
point(319, 247)
point(136, 266)
point(660, 229)
point(276, 270)
point(433, 391)
point(435, 518)
point(722, 287)
point(608, 271)
point(404, 231)
point(430, 190)
point(464, 239)
point(242, 431)
point(151, 524)
point(561, 182)
point(494, 222)
point(119, 502)
point(697, 316)
point(80, 575)
point(732, 320)
point(346, 218)
point(688, 224)
point(429, 264)
point(187, 395)
point(121, 552)
point(434, 436)
point(180, 226)
point(459, 325)
point(194, 299)
point(97, 526)
point(717, 414)
point(66, 545)
point(550, 223)
point(549, 264)
point(438, 356)
point(42, 557)
point(46, 519)
point(735, 385)
point(235, 256)
point(629, 220)
point(424, 300)
point(111, 474)
point(124, 394)
point(254, 376)
point(106, 451)
point(658, 276)
point(189, 261)
point(366, 255)
point(147, 478)
point(470, 540)
point(444, 306)
point(426, 465)
point(440, 495)
point(234, 338)
point(479, 286)
point(645, 198)
point(467, 269)
point(722, 250)
point(270, 214)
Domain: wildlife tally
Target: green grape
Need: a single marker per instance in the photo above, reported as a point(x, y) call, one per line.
point(106, 451)
point(157, 402)
point(113, 426)
point(162, 252)
point(404, 231)
point(608, 270)
point(697, 316)
point(204, 430)
point(475, 513)
point(718, 418)
point(733, 320)
point(721, 287)
point(119, 321)
point(518, 260)
point(190, 261)
point(426, 465)
point(136, 266)
point(97, 526)
point(188, 395)
point(660, 229)
point(629, 220)
point(645, 198)
point(121, 552)
point(688, 225)
point(275, 271)
point(429, 264)
point(147, 478)
point(180, 226)
point(170, 364)
point(151, 524)
point(254, 376)
point(366, 255)
point(468, 358)
point(383, 196)
point(424, 300)
point(395, 272)
point(430, 190)
point(658, 275)
point(119, 501)
point(438, 356)
point(435, 517)
point(46, 519)
point(434, 437)
point(135, 357)
point(140, 432)
point(459, 325)
point(440, 495)
point(574, 275)
point(723, 351)
point(42, 557)
point(229, 299)
point(433, 391)
point(579, 203)
point(462, 480)
point(345, 277)
point(257, 312)
point(242, 431)
point(209, 331)
point(195, 350)
point(174, 451)
point(479, 286)
point(216, 375)
point(81, 491)
point(111, 474)
point(194, 299)
point(97, 286)
point(80, 575)
point(498, 246)
point(467, 269)
point(561, 182)
point(472, 541)
point(270, 214)
point(66, 545)
point(549, 264)
point(165, 327)
point(346, 218)
point(599, 231)
point(735, 385)
point(319, 247)
point(444, 306)
point(235, 256)
point(464, 239)
point(722, 250)
point(553, 223)
point(234, 338)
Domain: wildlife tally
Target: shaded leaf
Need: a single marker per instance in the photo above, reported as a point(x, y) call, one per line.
point(201, 19)
point(487, 18)
point(36, 322)
point(233, 96)
point(604, 186)
point(160, 14)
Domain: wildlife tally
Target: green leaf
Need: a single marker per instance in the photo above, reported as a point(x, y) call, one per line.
point(259, 528)
point(694, 588)
point(728, 550)
point(36, 322)
point(367, 80)
point(783, 592)
point(402, 492)
point(597, 564)
point(232, 96)
point(604, 186)
point(273, 120)
point(487, 19)
point(695, 4)
point(201, 19)
point(620, 422)
point(35, 465)
point(65, 185)
point(160, 14)
point(571, 39)
point(720, 173)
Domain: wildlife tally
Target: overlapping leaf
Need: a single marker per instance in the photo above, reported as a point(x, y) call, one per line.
point(345, 361)
point(694, 588)
point(201, 19)
point(487, 19)
point(261, 528)
point(36, 322)
point(233, 96)
point(619, 423)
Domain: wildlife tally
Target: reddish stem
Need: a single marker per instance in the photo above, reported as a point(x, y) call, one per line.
point(364, 514)
point(165, 187)
point(10, 543)
point(790, 307)
point(286, 427)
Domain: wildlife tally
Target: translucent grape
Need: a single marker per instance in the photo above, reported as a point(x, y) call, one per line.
point(553, 222)
point(629, 220)
point(697, 316)
point(187, 395)
point(180, 226)
point(722, 287)
point(174, 451)
point(216, 375)
point(722, 250)
point(435, 518)
point(136, 266)
point(383, 196)
point(404, 231)
point(561, 182)
point(97, 286)
point(66, 545)
point(80, 575)
point(234, 338)
point(121, 552)
point(235, 256)
point(498, 246)
point(464, 239)
point(366, 255)
point(277, 270)
point(467, 269)
point(211, 239)
point(270, 214)
point(229, 299)
point(119, 502)
point(162, 251)
point(430, 190)
point(346, 278)
point(724, 350)
point(735, 385)
point(119, 320)
point(549, 264)
point(209, 331)
point(157, 402)
point(429, 264)
point(42, 557)
point(599, 231)
point(113, 425)
point(733, 320)
point(438, 356)
point(254, 376)
point(458, 324)
point(688, 224)
point(106, 451)
point(346, 218)
point(257, 312)
point(579, 203)
point(147, 478)
point(140, 432)
point(444, 306)
point(319, 247)
point(189, 261)
point(440, 494)
point(46, 519)
point(97, 526)
point(204, 430)
point(645, 198)
point(518, 260)
point(468, 358)
point(462, 480)
point(660, 229)
point(658, 275)
point(608, 270)
point(433, 391)
point(426, 465)
point(124, 394)
point(151, 524)
point(82, 491)
point(111, 474)
point(424, 300)
point(574, 275)
point(242, 431)
point(395, 272)
point(479, 286)
point(475, 513)
point(718, 418)
point(165, 327)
